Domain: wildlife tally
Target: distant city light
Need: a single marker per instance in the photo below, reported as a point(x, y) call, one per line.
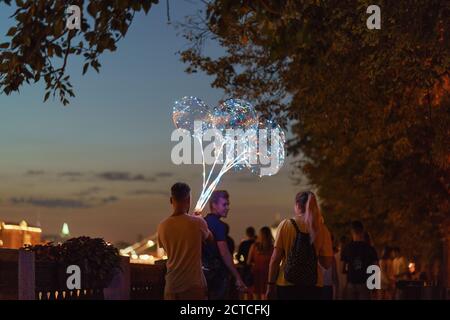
point(65, 230)
point(412, 267)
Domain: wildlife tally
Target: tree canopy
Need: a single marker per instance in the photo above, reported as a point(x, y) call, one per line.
point(369, 109)
point(39, 44)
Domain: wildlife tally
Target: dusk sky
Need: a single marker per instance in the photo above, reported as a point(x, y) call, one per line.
point(103, 163)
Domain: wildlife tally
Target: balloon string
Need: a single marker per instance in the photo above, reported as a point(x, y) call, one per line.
point(203, 159)
point(206, 193)
point(215, 161)
point(199, 205)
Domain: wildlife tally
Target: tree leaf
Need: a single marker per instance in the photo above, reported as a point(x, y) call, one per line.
point(85, 67)
point(12, 31)
point(47, 95)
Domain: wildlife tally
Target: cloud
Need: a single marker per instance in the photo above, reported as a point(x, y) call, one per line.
point(124, 176)
point(64, 203)
point(109, 199)
point(71, 174)
point(50, 202)
point(163, 174)
point(34, 172)
point(88, 192)
point(144, 192)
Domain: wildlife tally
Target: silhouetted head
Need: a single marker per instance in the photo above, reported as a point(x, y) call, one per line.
point(250, 232)
point(265, 239)
point(180, 197)
point(219, 203)
point(301, 199)
point(357, 230)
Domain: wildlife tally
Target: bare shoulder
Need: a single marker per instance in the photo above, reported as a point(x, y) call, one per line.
point(162, 224)
point(198, 220)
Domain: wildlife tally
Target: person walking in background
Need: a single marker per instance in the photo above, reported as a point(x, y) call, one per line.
point(341, 275)
point(259, 259)
point(218, 263)
point(242, 257)
point(330, 278)
point(357, 256)
point(181, 236)
point(233, 293)
point(400, 270)
point(399, 265)
point(387, 274)
point(302, 243)
point(244, 246)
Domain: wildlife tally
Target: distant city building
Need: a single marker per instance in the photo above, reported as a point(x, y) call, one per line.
point(16, 235)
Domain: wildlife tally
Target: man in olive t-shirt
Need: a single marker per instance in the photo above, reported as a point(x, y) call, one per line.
point(182, 235)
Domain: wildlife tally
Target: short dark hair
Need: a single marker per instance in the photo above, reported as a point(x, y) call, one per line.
point(180, 191)
point(216, 195)
point(250, 232)
point(357, 226)
point(301, 199)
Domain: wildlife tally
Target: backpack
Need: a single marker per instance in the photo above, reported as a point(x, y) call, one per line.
point(301, 263)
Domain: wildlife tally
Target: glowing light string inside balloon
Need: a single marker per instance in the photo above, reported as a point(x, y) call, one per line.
point(233, 114)
point(203, 159)
point(206, 192)
point(228, 165)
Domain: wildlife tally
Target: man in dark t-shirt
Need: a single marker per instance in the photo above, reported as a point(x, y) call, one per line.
point(242, 256)
point(357, 256)
point(217, 259)
point(244, 247)
point(210, 250)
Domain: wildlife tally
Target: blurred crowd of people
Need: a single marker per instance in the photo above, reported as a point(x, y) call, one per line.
point(303, 261)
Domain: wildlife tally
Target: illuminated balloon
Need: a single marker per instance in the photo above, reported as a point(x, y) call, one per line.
point(235, 114)
point(188, 110)
point(269, 148)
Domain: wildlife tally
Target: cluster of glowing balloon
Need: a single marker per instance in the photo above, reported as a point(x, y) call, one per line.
point(243, 141)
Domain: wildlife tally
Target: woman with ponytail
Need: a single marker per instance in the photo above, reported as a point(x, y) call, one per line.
point(302, 243)
point(315, 222)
